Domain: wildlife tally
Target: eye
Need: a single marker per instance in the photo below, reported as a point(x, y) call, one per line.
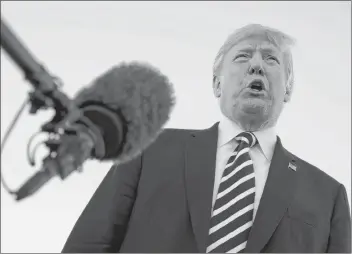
point(241, 57)
point(272, 58)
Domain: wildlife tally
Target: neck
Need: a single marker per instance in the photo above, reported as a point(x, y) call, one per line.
point(254, 125)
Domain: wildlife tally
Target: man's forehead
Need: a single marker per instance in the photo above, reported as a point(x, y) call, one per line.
point(256, 43)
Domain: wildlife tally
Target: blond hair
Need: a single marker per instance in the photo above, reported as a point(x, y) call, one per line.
point(279, 39)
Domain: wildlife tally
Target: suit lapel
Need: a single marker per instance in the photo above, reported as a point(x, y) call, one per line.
point(276, 196)
point(199, 173)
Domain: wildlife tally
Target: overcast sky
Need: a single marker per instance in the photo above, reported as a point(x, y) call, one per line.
point(79, 40)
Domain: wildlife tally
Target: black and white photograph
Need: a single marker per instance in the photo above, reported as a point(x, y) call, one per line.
point(175, 126)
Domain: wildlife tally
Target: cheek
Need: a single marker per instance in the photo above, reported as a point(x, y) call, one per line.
point(228, 95)
point(277, 81)
point(233, 79)
point(237, 71)
point(231, 89)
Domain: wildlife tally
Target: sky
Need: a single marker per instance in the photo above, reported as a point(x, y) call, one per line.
point(77, 41)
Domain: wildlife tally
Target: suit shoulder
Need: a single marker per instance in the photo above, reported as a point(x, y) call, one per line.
point(176, 134)
point(313, 172)
point(170, 137)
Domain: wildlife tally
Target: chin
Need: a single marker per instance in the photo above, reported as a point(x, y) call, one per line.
point(252, 117)
point(259, 109)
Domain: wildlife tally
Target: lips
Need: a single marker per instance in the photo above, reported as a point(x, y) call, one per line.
point(256, 85)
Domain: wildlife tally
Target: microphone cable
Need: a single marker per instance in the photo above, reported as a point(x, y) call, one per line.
point(6, 137)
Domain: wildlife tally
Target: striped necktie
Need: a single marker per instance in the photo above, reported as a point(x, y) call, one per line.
point(232, 216)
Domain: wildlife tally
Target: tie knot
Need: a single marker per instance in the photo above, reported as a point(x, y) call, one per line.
point(247, 138)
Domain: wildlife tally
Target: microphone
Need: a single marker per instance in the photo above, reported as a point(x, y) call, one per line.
point(115, 118)
point(123, 112)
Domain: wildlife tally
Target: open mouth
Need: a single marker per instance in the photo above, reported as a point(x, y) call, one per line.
point(257, 85)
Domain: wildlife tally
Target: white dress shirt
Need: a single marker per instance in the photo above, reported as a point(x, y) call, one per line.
point(261, 155)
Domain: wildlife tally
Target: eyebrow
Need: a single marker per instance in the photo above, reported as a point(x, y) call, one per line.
point(265, 49)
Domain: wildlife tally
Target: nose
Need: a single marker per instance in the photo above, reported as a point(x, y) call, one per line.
point(256, 70)
point(256, 67)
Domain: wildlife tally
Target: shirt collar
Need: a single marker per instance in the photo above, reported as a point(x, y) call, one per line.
point(228, 130)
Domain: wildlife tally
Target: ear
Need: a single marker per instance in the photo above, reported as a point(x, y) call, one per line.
point(216, 86)
point(289, 88)
point(288, 93)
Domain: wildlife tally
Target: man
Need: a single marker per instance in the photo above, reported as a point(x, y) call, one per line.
point(230, 188)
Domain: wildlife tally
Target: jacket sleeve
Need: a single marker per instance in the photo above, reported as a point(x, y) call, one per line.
point(102, 225)
point(340, 227)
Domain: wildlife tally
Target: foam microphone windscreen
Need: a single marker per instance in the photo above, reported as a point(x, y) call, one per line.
point(140, 95)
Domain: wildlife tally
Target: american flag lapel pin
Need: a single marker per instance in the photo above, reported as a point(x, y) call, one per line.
point(292, 166)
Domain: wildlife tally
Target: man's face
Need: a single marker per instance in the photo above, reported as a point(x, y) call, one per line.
point(252, 83)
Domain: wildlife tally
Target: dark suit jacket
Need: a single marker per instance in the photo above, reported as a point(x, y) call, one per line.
point(161, 202)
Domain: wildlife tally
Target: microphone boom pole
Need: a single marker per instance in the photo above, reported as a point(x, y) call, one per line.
point(33, 71)
point(46, 92)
